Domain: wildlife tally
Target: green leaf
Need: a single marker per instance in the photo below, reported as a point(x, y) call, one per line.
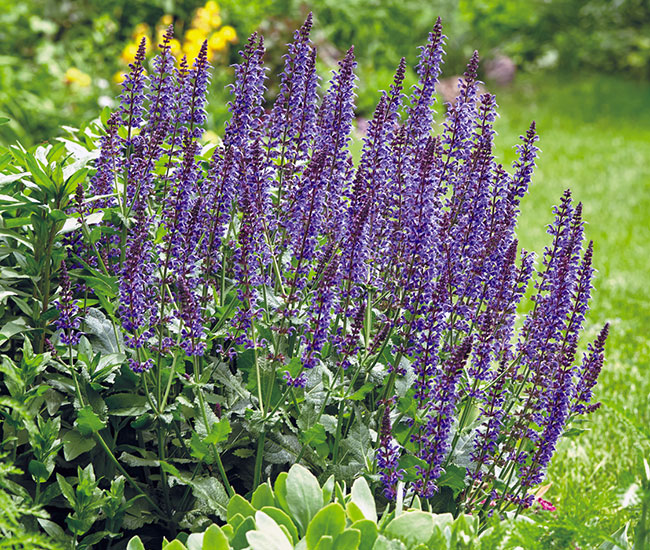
point(408, 463)
point(199, 449)
point(411, 528)
point(361, 393)
point(382, 543)
point(174, 545)
point(75, 444)
point(329, 521)
point(135, 544)
point(66, 490)
point(263, 496)
point(313, 436)
point(126, 404)
point(304, 495)
point(280, 491)
point(52, 529)
point(619, 540)
point(239, 540)
point(239, 505)
point(4, 120)
point(325, 543)
point(328, 489)
point(170, 469)
point(268, 535)
point(194, 541)
point(40, 471)
point(348, 539)
point(361, 495)
point(454, 478)
point(282, 519)
point(215, 539)
point(210, 495)
point(218, 432)
point(88, 422)
point(368, 531)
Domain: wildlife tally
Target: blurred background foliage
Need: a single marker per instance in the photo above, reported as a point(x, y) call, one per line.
point(58, 60)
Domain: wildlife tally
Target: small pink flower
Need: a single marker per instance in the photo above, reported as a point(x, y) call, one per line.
point(545, 505)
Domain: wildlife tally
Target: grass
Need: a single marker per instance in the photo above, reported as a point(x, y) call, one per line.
point(595, 139)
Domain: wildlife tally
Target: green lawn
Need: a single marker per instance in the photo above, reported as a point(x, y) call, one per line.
point(595, 139)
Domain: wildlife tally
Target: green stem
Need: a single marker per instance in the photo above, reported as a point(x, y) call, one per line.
point(259, 459)
point(222, 471)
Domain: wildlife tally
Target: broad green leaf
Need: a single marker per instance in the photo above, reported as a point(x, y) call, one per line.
point(411, 528)
point(268, 535)
point(263, 496)
point(280, 491)
point(66, 490)
point(315, 435)
point(126, 404)
point(195, 541)
point(135, 544)
point(170, 469)
point(51, 528)
point(215, 539)
point(175, 545)
point(88, 422)
point(325, 543)
point(40, 471)
point(454, 478)
point(239, 540)
point(328, 489)
point(75, 444)
point(282, 519)
point(361, 393)
point(382, 543)
point(329, 521)
point(218, 432)
point(361, 495)
point(369, 532)
point(304, 495)
point(348, 539)
point(239, 505)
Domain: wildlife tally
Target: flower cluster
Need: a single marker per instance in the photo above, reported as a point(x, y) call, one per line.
point(401, 274)
point(206, 26)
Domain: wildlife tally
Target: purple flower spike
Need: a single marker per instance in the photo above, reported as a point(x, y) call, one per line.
point(388, 456)
point(592, 364)
point(68, 321)
point(133, 90)
point(435, 439)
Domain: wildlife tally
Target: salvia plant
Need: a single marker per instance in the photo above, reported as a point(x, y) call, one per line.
point(225, 311)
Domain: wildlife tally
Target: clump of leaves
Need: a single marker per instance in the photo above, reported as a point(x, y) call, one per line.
point(296, 512)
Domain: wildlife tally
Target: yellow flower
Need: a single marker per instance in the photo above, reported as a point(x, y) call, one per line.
point(211, 7)
point(129, 52)
point(75, 76)
point(228, 33)
point(166, 20)
point(191, 50)
point(118, 77)
point(216, 42)
point(195, 35)
point(176, 47)
point(201, 21)
point(141, 29)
